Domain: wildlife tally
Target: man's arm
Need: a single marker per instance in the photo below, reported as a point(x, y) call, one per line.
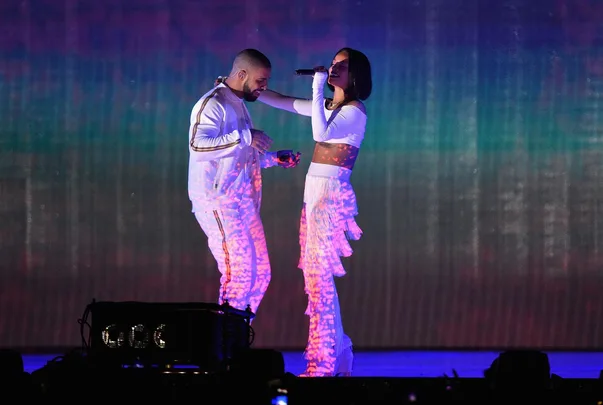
point(268, 159)
point(207, 142)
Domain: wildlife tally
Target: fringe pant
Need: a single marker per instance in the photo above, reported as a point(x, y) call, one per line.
point(327, 222)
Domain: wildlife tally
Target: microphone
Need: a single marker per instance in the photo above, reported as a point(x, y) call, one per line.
point(305, 72)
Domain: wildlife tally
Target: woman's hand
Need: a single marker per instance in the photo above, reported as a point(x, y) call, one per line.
point(320, 77)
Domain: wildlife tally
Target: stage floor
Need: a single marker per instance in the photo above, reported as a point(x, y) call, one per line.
point(424, 363)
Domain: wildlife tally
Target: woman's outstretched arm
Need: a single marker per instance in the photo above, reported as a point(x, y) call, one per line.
point(292, 104)
point(295, 105)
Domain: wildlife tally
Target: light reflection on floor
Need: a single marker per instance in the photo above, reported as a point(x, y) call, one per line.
point(424, 363)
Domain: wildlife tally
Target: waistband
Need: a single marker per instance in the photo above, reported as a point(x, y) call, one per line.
point(323, 170)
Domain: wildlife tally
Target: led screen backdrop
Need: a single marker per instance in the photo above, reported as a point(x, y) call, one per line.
point(479, 184)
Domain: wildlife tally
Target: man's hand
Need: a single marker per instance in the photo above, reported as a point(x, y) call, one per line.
point(260, 141)
point(287, 159)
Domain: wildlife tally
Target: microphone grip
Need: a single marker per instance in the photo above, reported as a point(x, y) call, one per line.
point(304, 72)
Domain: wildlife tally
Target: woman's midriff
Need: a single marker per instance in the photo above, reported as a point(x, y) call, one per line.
point(336, 154)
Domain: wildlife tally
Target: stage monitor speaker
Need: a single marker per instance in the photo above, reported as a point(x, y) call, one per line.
point(203, 335)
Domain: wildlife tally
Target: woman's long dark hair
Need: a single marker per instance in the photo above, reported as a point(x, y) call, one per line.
point(360, 82)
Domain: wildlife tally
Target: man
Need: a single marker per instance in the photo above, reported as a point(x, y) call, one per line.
point(226, 158)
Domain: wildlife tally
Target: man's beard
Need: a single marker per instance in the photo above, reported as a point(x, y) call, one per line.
point(248, 94)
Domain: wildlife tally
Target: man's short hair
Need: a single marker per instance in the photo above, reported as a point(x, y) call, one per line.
point(252, 57)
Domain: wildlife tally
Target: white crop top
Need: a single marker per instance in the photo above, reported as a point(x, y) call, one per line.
point(346, 124)
point(343, 125)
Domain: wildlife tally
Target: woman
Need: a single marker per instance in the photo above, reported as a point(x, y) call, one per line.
point(327, 218)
